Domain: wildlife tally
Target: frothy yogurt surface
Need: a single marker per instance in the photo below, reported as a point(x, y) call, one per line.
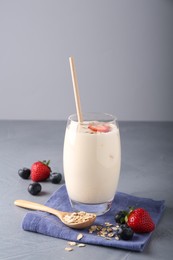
point(91, 162)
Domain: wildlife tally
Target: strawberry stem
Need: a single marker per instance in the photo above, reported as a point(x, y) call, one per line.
point(46, 162)
point(127, 213)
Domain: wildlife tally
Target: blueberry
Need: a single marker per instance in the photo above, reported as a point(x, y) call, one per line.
point(124, 225)
point(24, 173)
point(55, 177)
point(127, 233)
point(119, 231)
point(120, 217)
point(34, 188)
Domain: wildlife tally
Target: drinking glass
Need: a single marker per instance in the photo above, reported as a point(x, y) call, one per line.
point(91, 160)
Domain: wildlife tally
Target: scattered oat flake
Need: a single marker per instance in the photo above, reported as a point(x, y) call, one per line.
point(99, 228)
point(109, 229)
point(68, 249)
point(72, 243)
point(80, 236)
point(103, 232)
point(111, 234)
point(81, 245)
point(114, 228)
point(108, 224)
point(93, 228)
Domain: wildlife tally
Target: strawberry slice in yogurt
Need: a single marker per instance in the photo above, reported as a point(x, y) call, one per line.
point(99, 128)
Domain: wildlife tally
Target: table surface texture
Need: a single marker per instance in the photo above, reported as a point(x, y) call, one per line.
point(146, 171)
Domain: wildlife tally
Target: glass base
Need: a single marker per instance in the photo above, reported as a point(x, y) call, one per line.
point(98, 209)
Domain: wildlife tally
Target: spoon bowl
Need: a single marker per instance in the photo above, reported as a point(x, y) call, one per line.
point(76, 220)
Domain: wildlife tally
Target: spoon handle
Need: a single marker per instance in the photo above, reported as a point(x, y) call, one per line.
point(36, 206)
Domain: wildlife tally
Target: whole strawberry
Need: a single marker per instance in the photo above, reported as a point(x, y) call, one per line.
point(40, 171)
point(140, 221)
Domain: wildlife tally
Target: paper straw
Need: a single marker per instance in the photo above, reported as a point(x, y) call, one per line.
point(76, 90)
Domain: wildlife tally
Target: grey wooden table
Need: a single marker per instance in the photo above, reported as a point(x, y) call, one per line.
point(147, 171)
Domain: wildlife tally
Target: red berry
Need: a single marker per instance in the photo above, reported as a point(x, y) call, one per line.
point(99, 128)
point(40, 171)
point(140, 221)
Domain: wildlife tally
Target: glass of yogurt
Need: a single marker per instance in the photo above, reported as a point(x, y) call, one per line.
point(91, 160)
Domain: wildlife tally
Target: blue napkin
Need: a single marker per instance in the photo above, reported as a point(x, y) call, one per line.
point(47, 224)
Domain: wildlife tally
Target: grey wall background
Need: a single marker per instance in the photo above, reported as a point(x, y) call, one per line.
point(123, 53)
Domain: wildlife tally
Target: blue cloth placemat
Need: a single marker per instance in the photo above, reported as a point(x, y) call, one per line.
point(47, 224)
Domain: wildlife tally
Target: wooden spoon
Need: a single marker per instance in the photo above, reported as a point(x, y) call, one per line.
point(65, 217)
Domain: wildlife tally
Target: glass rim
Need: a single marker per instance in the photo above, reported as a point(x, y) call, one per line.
point(96, 116)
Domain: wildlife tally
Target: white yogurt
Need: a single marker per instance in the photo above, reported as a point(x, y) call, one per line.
point(91, 163)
